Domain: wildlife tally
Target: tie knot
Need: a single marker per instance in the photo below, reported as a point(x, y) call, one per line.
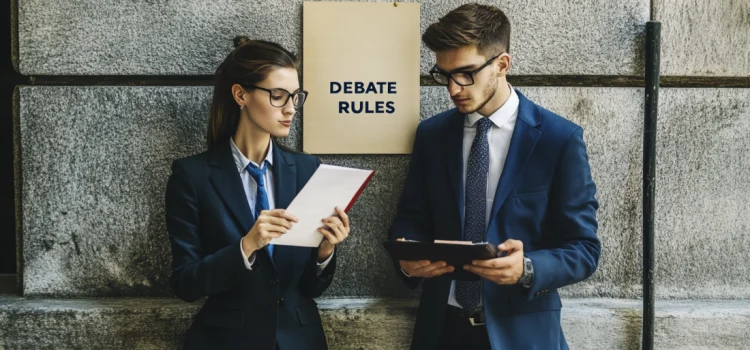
point(484, 124)
point(257, 173)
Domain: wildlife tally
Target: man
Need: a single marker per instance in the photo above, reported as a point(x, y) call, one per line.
point(501, 169)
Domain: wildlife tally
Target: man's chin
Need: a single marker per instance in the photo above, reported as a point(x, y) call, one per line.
point(463, 109)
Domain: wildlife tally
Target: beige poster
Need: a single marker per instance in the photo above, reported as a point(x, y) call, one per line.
point(361, 68)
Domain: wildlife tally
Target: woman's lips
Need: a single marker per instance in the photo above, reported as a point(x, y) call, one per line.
point(286, 123)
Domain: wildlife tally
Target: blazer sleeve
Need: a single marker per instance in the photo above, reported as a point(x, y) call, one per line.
point(412, 219)
point(195, 274)
point(313, 285)
point(575, 248)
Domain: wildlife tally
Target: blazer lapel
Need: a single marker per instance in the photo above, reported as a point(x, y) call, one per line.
point(285, 177)
point(453, 151)
point(525, 137)
point(285, 189)
point(227, 182)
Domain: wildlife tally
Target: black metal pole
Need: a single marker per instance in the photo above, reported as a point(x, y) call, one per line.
point(653, 48)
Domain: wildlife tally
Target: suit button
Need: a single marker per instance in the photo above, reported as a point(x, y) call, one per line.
point(281, 301)
point(273, 282)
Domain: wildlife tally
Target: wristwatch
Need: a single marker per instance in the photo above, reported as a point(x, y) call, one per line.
point(528, 273)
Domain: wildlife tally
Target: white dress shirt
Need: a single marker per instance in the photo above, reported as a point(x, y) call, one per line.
point(251, 190)
point(498, 136)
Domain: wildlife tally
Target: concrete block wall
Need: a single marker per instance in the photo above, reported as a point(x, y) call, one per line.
point(94, 160)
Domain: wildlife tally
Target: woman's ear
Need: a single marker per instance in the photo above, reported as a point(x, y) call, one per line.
point(238, 92)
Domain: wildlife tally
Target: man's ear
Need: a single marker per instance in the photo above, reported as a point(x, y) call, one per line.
point(503, 64)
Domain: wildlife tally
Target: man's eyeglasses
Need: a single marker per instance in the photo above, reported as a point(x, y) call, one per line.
point(280, 97)
point(462, 78)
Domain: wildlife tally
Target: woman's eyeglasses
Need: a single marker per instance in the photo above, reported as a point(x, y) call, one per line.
point(280, 97)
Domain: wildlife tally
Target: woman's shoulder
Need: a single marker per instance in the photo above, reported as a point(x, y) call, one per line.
point(193, 163)
point(300, 158)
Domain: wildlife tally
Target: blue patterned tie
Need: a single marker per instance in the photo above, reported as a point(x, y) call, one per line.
point(261, 197)
point(468, 292)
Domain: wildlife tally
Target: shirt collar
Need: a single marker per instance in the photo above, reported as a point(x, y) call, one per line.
point(241, 161)
point(502, 115)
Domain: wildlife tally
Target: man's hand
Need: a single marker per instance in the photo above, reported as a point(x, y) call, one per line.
point(505, 270)
point(425, 268)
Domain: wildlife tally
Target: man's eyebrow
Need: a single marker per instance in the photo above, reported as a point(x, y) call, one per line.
point(462, 68)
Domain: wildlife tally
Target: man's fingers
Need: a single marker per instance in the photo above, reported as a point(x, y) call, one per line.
point(441, 271)
point(511, 245)
point(498, 263)
point(418, 263)
point(427, 269)
point(485, 272)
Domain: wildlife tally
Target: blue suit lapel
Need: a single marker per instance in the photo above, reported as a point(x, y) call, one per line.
point(228, 184)
point(285, 177)
point(453, 151)
point(285, 189)
point(525, 136)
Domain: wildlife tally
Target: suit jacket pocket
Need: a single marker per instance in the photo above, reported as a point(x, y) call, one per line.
point(307, 313)
point(228, 318)
point(533, 191)
point(544, 302)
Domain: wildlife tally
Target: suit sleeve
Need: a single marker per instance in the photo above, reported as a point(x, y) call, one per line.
point(575, 248)
point(313, 284)
point(195, 274)
point(413, 212)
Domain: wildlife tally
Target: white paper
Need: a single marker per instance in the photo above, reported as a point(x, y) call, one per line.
point(329, 187)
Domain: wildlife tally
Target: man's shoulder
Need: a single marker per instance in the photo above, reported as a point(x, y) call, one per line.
point(551, 123)
point(438, 121)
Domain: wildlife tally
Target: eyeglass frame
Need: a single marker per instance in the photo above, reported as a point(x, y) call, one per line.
point(470, 74)
point(288, 95)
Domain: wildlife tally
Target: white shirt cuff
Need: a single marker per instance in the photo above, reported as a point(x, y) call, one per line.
point(248, 263)
point(322, 266)
point(405, 274)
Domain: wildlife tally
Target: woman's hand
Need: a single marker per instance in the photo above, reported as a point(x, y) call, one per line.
point(270, 224)
point(335, 231)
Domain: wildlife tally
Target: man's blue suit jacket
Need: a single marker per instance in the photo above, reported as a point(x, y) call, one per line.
point(545, 198)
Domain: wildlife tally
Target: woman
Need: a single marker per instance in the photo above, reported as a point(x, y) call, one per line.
point(226, 204)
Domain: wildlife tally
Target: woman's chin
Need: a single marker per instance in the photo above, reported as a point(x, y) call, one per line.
point(282, 132)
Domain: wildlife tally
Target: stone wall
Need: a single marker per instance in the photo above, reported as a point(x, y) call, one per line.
point(93, 161)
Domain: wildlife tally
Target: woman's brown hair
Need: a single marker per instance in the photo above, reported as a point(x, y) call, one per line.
point(248, 64)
